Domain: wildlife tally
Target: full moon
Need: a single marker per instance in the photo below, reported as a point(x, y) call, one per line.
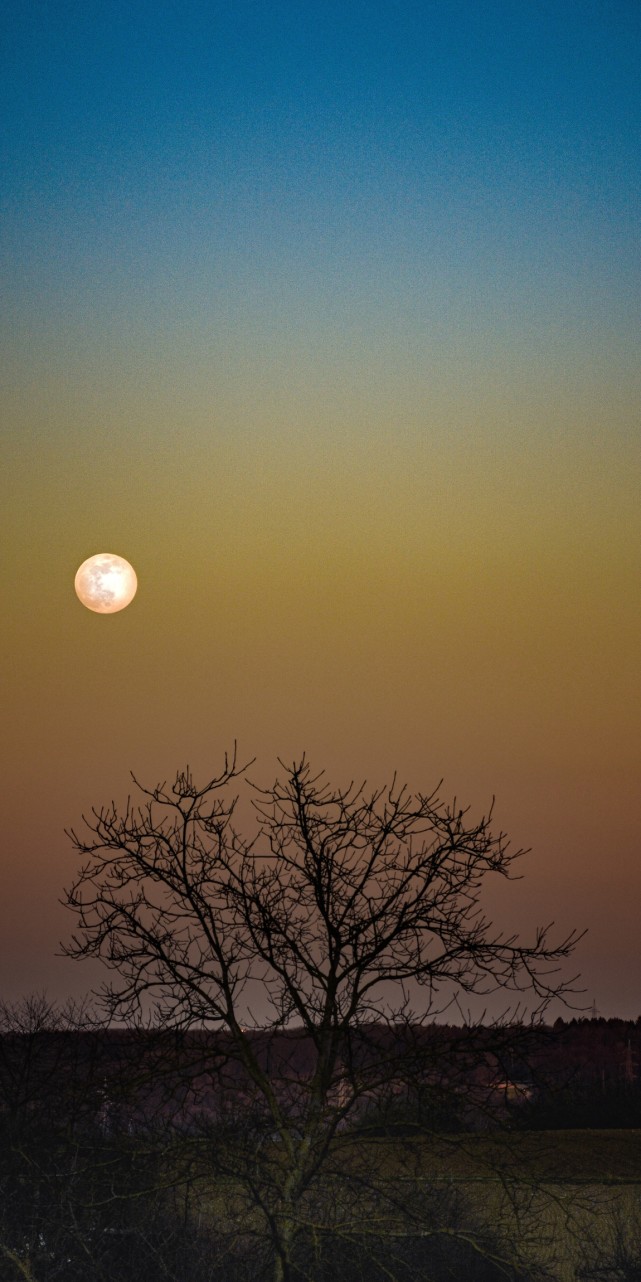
point(106, 583)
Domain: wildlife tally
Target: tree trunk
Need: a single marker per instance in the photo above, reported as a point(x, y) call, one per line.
point(285, 1242)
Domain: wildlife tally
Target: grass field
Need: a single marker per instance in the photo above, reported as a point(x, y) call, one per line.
point(594, 1156)
point(561, 1195)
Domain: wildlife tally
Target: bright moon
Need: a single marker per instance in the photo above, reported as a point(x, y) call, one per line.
point(106, 583)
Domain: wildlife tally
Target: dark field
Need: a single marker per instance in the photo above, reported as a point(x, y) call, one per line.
point(563, 1206)
point(576, 1156)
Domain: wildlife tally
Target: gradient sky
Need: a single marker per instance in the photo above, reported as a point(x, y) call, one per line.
point(327, 317)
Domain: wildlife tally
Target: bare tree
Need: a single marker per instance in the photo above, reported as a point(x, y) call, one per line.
point(612, 1248)
point(342, 922)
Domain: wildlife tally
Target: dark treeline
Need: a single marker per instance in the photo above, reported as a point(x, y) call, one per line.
point(586, 1073)
point(579, 1072)
point(117, 1146)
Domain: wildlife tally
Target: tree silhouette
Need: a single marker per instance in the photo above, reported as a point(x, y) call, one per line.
point(343, 920)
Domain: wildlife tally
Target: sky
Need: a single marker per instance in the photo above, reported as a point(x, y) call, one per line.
point(326, 317)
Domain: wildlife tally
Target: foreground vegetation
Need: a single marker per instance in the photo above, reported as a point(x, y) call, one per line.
point(523, 1207)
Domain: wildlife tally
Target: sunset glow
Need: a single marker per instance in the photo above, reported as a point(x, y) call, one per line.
point(328, 318)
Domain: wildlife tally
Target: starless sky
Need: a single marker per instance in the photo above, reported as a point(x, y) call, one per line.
point(326, 316)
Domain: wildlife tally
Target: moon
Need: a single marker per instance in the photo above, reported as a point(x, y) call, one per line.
point(106, 583)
